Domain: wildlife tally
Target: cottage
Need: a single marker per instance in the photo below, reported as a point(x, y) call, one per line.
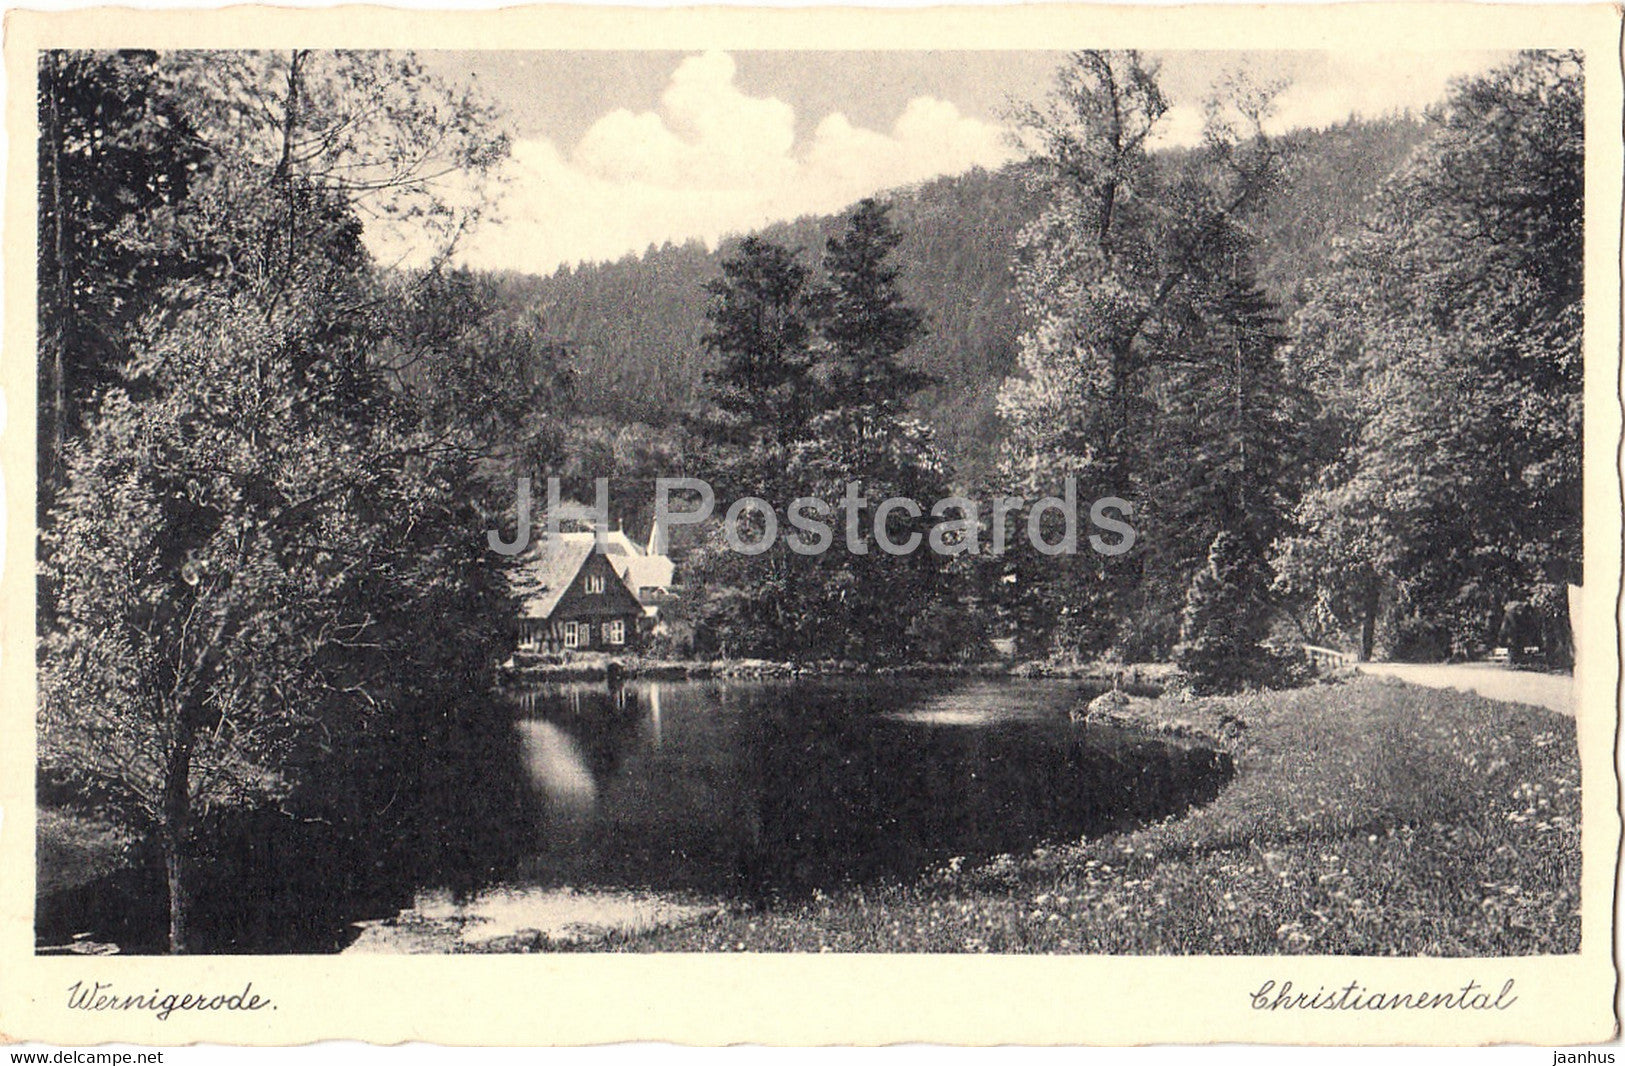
point(576, 593)
point(647, 571)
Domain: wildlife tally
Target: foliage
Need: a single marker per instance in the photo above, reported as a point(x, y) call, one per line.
point(1447, 342)
point(263, 566)
point(759, 333)
point(115, 152)
point(1150, 367)
point(863, 322)
point(809, 386)
point(1225, 619)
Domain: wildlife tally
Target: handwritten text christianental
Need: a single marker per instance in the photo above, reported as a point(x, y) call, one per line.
point(1355, 996)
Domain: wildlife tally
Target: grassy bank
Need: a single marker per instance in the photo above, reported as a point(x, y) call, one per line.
point(1369, 817)
point(72, 850)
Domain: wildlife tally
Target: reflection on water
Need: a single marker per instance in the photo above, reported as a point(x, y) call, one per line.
point(762, 788)
point(988, 703)
point(556, 767)
point(577, 806)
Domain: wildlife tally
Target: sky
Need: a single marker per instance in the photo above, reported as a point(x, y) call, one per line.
point(614, 151)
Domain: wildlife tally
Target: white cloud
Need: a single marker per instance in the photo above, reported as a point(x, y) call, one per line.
point(929, 138)
point(622, 146)
point(1332, 87)
point(712, 160)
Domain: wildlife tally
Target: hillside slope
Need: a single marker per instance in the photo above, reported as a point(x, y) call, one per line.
point(635, 325)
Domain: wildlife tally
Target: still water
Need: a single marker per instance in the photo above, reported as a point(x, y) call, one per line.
point(762, 789)
point(689, 791)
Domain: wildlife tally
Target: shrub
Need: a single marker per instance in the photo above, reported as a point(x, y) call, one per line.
point(946, 632)
point(1415, 640)
point(1225, 620)
point(1286, 669)
point(673, 638)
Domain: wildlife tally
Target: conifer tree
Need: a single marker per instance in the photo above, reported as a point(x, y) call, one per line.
point(863, 323)
point(758, 334)
point(1224, 621)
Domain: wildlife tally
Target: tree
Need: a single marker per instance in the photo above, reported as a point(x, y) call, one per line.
point(1447, 341)
point(114, 151)
point(1229, 452)
point(761, 398)
point(813, 388)
point(266, 541)
point(1090, 273)
point(863, 324)
point(1149, 367)
point(1224, 621)
point(1338, 562)
point(759, 334)
point(863, 605)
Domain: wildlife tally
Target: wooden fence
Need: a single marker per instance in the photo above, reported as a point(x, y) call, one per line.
point(1327, 658)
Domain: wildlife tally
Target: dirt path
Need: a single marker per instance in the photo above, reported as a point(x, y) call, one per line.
point(1555, 691)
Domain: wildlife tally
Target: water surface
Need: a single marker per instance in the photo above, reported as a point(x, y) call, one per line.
point(571, 806)
point(758, 789)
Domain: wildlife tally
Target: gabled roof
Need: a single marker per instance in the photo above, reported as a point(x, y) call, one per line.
point(547, 571)
point(643, 571)
point(545, 574)
point(638, 570)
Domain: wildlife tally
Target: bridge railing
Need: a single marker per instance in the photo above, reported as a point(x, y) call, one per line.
point(1327, 658)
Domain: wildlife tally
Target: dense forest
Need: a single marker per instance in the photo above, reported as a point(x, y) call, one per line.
point(633, 327)
point(1285, 350)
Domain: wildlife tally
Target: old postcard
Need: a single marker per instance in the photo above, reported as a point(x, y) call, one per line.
point(972, 525)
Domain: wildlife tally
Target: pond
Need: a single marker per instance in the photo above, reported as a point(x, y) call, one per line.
point(764, 789)
point(569, 806)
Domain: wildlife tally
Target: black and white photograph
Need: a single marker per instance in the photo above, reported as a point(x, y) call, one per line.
point(1089, 502)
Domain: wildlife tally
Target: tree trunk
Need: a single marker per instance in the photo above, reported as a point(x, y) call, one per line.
point(177, 827)
point(1368, 622)
point(177, 897)
point(60, 304)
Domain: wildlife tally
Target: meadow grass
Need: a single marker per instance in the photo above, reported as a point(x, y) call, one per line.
point(72, 850)
point(1365, 818)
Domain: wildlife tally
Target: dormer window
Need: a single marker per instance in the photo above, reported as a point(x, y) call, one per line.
point(594, 585)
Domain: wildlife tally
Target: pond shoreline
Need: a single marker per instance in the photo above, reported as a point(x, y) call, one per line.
point(1137, 678)
point(1353, 809)
point(520, 919)
point(1357, 813)
point(75, 852)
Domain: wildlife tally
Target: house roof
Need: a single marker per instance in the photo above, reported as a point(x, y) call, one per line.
point(548, 570)
point(638, 570)
point(643, 571)
point(616, 542)
point(543, 578)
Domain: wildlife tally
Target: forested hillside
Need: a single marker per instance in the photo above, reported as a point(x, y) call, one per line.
point(634, 325)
